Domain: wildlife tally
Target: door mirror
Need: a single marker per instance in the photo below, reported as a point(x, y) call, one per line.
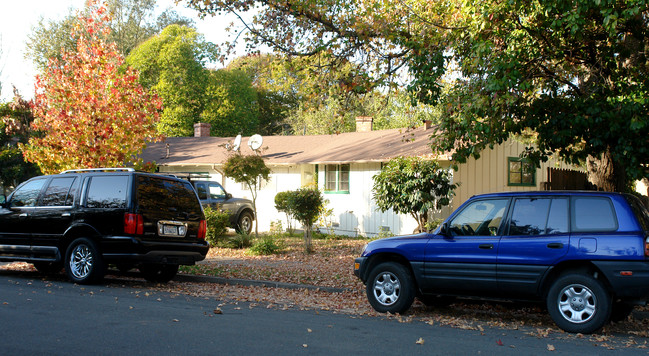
point(228, 196)
point(443, 230)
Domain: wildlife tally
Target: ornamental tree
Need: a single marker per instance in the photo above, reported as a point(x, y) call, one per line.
point(250, 170)
point(89, 110)
point(306, 204)
point(414, 186)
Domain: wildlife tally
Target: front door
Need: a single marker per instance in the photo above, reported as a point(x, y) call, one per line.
point(15, 224)
point(465, 260)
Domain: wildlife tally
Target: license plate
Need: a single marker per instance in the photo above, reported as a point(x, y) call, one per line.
point(172, 228)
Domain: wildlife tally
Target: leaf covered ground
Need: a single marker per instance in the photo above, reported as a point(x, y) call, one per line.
point(331, 265)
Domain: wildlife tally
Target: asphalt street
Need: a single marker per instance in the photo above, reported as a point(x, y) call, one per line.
point(52, 316)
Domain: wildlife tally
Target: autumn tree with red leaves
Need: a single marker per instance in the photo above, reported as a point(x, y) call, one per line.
point(89, 110)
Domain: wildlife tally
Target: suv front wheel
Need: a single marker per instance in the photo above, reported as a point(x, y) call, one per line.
point(579, 303)
point(390, 288)
point(83, 262)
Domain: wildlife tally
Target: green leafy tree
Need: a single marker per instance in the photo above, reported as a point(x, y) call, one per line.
point(306, 204)
point(132, 22)
point(173, 64)
point(283, 204)
point(414, 186)
point(15, 128)
point(571, 74)
point(89, 112)
point(250, 170)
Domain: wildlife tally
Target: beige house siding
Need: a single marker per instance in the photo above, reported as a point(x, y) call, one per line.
point(488, 174)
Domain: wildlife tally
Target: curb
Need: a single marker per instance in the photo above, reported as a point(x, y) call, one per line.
point(253, 283)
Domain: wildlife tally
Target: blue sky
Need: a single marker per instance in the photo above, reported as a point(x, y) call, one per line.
point(18, 17)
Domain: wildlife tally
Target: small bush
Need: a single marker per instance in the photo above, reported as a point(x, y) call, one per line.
point(217, 224)
point(267, 245)
point(240, 240)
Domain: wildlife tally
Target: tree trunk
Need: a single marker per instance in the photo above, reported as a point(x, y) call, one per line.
point(606, 174)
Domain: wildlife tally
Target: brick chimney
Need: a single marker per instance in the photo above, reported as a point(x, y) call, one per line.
point(364, 123)
point(202, 129)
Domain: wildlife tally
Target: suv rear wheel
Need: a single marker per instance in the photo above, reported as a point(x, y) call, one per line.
point(579, 303)
point(83, 262)
point(390, 288)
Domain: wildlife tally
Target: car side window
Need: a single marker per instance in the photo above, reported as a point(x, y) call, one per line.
point(201, 191)
point(60, 192)
point(107, 192)
point(27, 195)
point(216, 191)
point(539, 216)
point(479, 218)
point(593, 214)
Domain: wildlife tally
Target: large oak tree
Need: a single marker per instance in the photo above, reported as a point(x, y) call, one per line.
point(571, 74)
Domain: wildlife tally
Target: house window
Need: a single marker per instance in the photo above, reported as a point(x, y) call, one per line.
point(337, 178)
point(521, 172)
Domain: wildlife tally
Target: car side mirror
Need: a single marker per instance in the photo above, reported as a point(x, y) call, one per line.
point(443, 230)
point(228, 196)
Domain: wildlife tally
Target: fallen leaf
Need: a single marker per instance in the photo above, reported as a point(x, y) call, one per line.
point(218, 311)
point(499, 343)
point(420, 341)
point(175, 320)
point(551, 347)
point(309, 330)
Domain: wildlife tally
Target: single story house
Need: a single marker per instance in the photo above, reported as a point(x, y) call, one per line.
point(343, 167)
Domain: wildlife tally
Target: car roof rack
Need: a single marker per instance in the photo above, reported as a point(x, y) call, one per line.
point(88, 170)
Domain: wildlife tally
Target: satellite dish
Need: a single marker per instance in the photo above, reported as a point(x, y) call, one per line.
point(255, 142)
point(237, 143)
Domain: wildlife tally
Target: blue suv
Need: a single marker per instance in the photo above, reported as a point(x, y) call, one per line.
point(585, 254)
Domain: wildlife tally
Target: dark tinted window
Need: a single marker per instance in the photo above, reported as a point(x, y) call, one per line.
point(558, 218)
point(201, 190)
point(539, 216)
point(157, 194)
point(59, 192)
point(592, 214)
point(27, 195)
point(107, 192)
point(639, 210)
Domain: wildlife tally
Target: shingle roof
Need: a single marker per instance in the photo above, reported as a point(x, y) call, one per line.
point(373, 146)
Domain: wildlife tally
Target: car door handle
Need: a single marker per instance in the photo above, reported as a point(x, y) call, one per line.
point(486, 246)
point(23, 215)
point(65, 215)
point(555, 245)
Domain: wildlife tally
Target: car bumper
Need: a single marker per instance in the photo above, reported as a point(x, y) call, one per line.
point(359, 268)
point(133, 249)
point(628, 279)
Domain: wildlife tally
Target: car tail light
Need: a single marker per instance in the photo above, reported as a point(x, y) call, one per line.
point(202, 229)
point(133, 224)
point(646, 247)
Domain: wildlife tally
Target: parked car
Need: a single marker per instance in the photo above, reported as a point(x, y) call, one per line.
point(585, 254)
point(213, 194)
point(84, 220)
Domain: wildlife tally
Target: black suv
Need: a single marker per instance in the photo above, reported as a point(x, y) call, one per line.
point(84, 220)
point(213, 195)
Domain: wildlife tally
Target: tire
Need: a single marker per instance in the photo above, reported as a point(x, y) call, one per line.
point(579, 303)
point(158, 273)
point(390, 288)
point(244, 225)
point(48, 267)
point(83, 262)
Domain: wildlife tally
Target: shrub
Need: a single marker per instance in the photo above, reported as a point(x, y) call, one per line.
point(267, 245)
point(217, 224)
point(240, 240)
